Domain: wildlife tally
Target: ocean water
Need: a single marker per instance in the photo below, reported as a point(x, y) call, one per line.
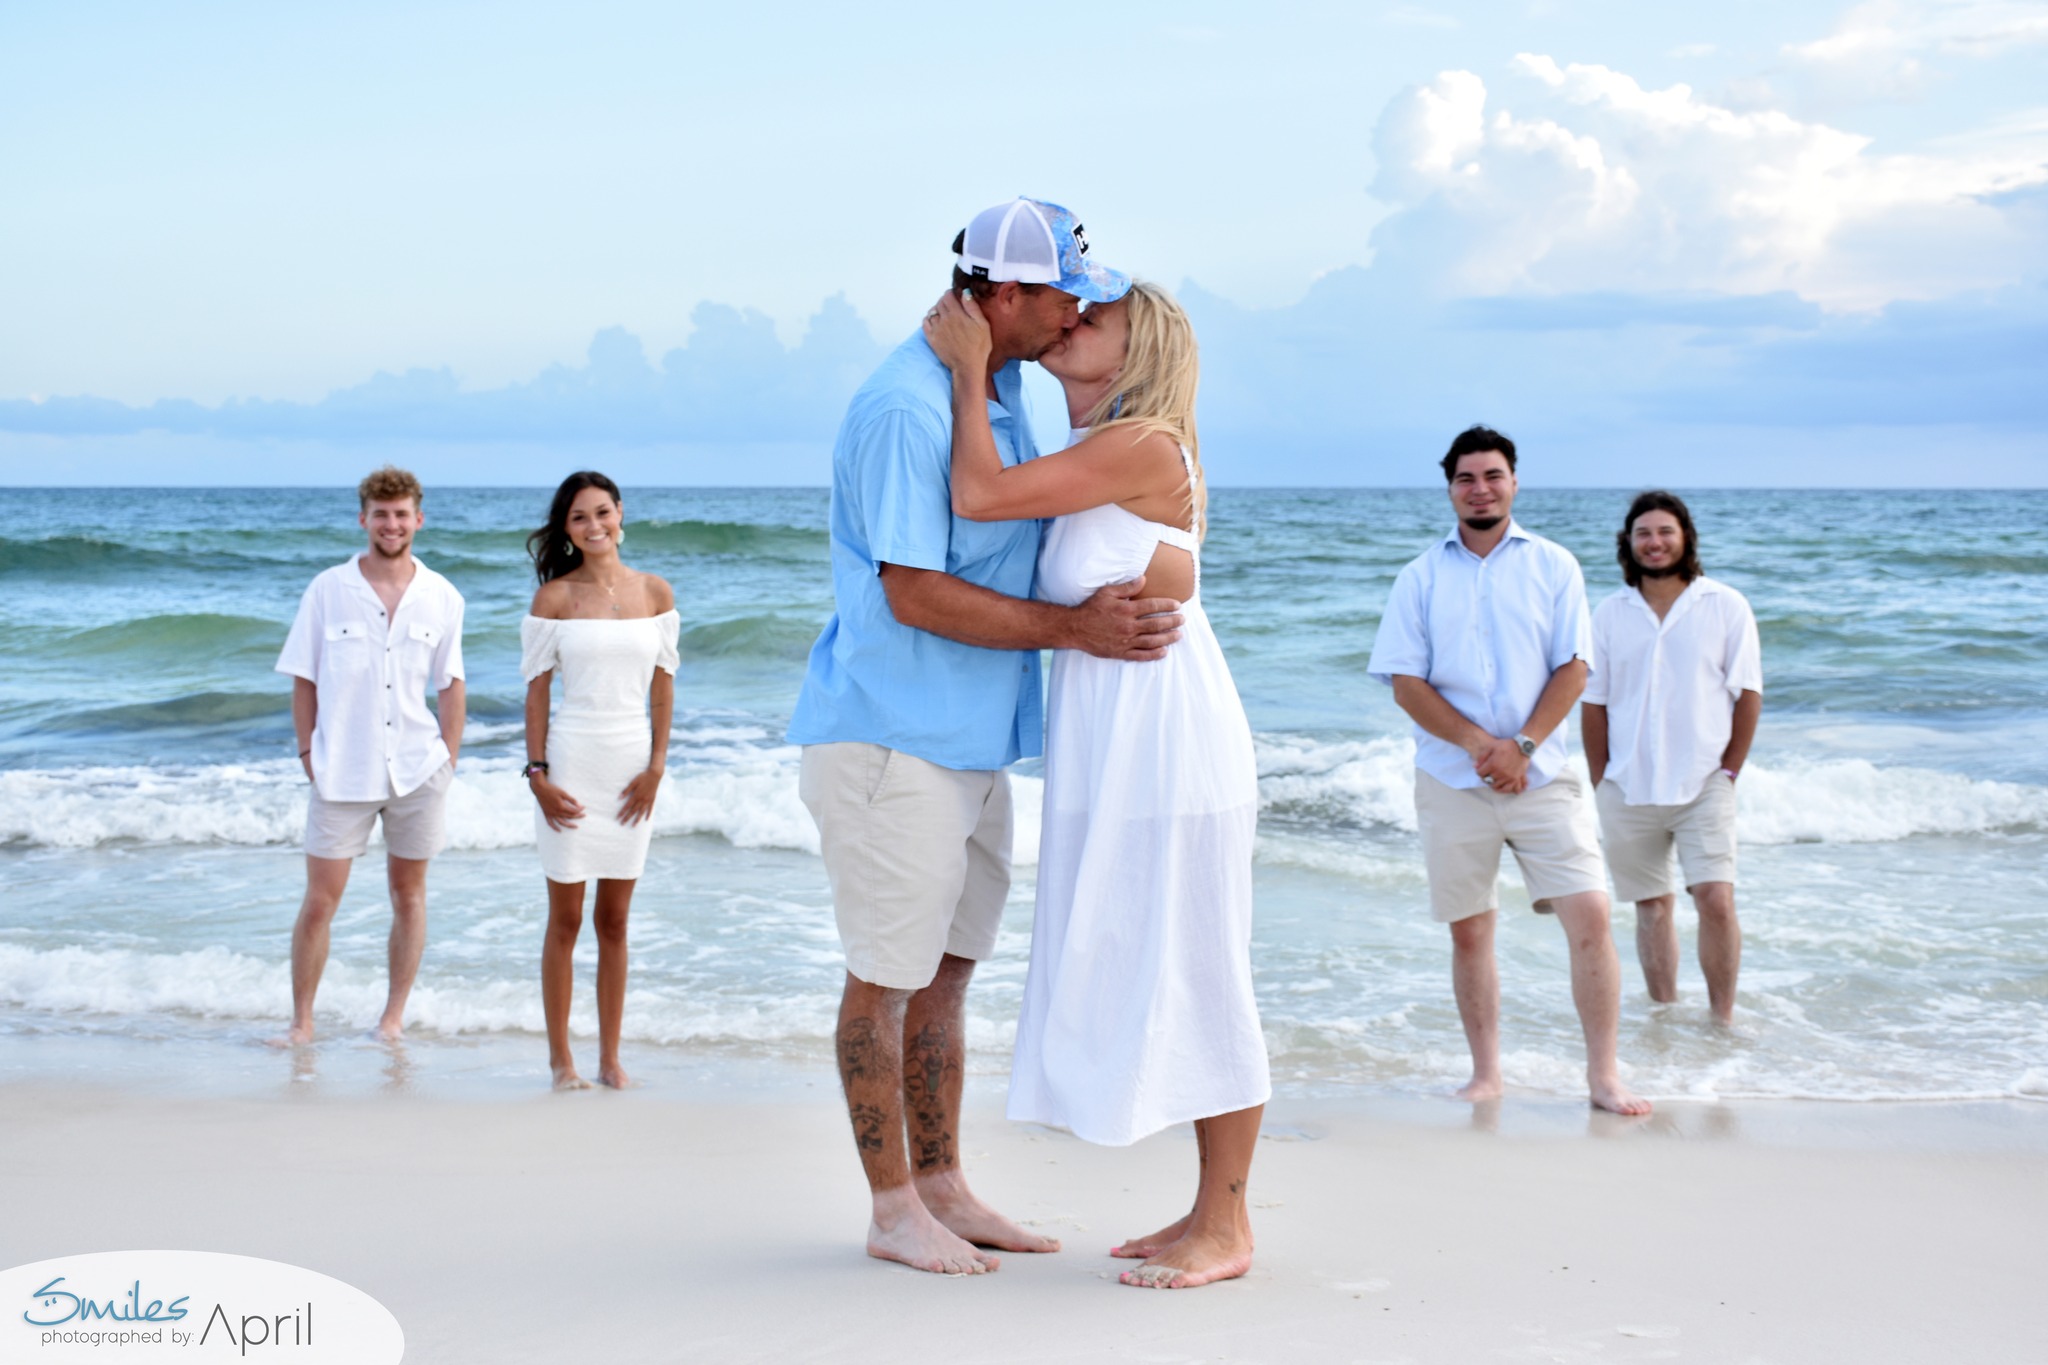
point(1893, 815)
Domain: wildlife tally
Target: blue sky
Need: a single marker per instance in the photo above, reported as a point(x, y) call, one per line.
point(1751, 243)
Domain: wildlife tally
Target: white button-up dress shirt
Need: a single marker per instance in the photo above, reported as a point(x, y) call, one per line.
point(374, 736)
point(1486, 634)
point(1670, 687)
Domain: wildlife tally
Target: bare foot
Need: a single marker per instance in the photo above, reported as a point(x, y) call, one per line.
point(299, 1035)
point(1479, 1090)
point(567, 1079)
point(390, 1030)
point(965, 1216)
point(1138, 1248)
point(1617, 1098)
point(614, 1076)
point(1196, 1259)
point(921, 1242)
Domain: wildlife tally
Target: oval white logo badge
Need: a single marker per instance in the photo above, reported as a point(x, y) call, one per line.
point(189, 1306)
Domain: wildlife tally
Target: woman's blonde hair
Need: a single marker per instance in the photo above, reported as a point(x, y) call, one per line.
point(1156, 391)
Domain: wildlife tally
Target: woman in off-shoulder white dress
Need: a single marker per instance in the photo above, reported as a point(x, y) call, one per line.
point(1138, 1008)
point(608, 634)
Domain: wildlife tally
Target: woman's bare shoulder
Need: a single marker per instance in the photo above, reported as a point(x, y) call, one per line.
point(659, 593)
point(551, 600)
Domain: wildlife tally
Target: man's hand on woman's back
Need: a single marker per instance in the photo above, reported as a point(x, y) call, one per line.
point(1116, 623)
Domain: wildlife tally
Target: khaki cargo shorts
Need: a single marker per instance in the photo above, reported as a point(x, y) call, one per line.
point(918, 857)
point(1640, 839)
point(415, 824)
point(1550, 828)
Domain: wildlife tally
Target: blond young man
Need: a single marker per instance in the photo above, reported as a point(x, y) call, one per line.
point(372, 635)
point(1668, 722)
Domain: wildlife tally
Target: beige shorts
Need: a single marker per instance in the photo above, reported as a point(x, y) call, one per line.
point(415, 824)
point(1640, 839)
point(918, 857)
point(1550, 829)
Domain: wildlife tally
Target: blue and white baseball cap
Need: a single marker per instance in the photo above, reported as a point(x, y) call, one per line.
point(1033, 242)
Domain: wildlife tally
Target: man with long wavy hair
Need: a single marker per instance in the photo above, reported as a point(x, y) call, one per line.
point(1667, 723)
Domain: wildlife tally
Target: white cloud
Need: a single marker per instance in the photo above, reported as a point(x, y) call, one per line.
point(1878, 49)
point(1891, 30)
point(1605, 185)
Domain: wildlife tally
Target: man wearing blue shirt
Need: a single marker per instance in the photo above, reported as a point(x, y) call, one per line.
point(923, 687)
point(1487, 645)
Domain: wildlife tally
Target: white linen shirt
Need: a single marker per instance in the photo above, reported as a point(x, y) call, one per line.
point(374, 736)
point(1486, 634)
point(1670, 687)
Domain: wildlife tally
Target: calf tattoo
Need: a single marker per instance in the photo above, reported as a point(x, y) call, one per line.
point(868, 1122)
point(931, 1075)
point(856, 1049)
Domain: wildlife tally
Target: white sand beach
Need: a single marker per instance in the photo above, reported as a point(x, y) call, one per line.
point(667, 1225)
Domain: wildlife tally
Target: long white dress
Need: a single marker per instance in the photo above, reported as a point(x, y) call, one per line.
point(1138, 1010)
point(599, 736)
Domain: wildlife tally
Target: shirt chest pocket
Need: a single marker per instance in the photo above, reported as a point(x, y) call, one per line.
point(419, 634)
point(346, 648)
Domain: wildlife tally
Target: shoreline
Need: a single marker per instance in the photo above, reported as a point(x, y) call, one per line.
point(659, 1225)
point(505, 1069)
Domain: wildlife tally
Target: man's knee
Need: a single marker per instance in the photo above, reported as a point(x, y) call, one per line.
point(1583, 914)
point(316, 911)
point(951, 978)
point(1474, 933)
point(864, 999)
point(1715, 900)
point(407, 877)
point(1656, 909)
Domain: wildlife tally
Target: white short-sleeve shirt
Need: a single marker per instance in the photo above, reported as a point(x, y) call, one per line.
point(1670, 687)
point(1486, 634)
point(374, 736)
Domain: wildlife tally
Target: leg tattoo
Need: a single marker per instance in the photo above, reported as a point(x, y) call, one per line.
point(868, 1123)
point(930, 1074)
point(856, 1049)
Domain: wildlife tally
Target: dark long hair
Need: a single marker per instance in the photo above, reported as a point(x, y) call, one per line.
point(553, 554)
point(1657, 500)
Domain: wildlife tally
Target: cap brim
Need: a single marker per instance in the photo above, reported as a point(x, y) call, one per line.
point(1095, 283)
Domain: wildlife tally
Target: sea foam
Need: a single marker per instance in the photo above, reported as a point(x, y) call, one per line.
point(747, 795)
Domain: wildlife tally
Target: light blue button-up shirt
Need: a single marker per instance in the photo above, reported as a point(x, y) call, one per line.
point(872, 678)
point(1486, 634)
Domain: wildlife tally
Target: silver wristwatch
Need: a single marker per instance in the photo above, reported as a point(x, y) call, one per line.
point(1526, 745)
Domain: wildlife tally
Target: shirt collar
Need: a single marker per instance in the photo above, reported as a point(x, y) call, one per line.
point(1701, 586)
point(1515, 532)
point(1009, 377)
point(353, 575)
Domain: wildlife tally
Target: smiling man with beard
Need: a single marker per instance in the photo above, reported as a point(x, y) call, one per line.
point(372, 636)
point(1486, 645)
point(1668, 722)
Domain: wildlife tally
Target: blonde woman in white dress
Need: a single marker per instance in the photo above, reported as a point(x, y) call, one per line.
point(608, 633)
point(1138, 1009)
